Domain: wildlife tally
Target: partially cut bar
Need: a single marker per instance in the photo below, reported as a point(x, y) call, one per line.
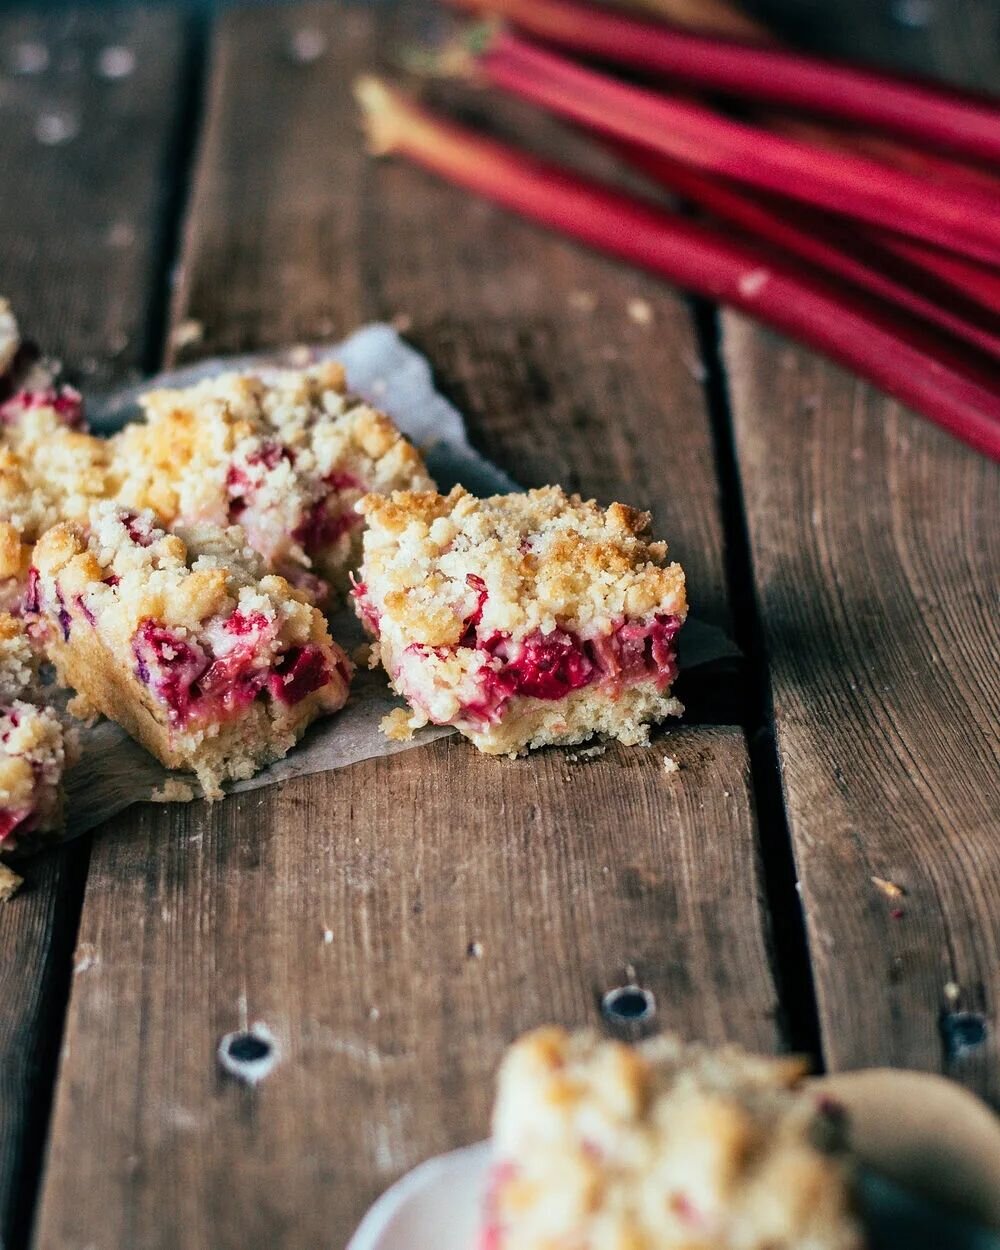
point(523, 619)
point(663, 1146)
point(286, 454)
point(34, 746)
point(212, 664)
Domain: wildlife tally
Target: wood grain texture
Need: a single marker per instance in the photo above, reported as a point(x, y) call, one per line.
point(876, 551)
point(395, 924)
point(78, 228)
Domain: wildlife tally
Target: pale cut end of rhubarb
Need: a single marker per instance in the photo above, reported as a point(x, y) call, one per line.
point(384, 113)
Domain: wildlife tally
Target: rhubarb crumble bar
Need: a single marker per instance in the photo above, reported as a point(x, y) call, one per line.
point(51, 469)
point(664, 1146)
point(212, 664)
point(285, 454)
point(522, 619)
point(33, 745)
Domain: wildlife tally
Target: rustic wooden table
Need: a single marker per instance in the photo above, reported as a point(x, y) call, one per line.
point(395, 924)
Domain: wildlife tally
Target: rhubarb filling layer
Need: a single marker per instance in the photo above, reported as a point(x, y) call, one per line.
point(548, 666)
point(215, 676)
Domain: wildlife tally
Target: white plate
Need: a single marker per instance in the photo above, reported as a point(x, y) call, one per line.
point(437, 1207)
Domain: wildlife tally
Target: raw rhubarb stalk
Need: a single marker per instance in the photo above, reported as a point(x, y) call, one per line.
point(977, 284)
point(691, 255)
point(931, 165)
point(933, 116)
point(819, 243)
point(715, 16)
point(850, 186)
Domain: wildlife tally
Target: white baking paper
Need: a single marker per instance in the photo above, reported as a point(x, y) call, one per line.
point(115, 772)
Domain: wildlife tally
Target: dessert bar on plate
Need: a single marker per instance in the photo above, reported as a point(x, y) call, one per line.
point(285, 454)
point(33, 745)
point(521, 619)
point(212, 664)
point(663, 1146)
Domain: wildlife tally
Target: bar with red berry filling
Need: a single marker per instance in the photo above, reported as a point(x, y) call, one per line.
point(35, 746)
point(213, 665)
point(662, 1146)
point(522, 619)
point(286, 454)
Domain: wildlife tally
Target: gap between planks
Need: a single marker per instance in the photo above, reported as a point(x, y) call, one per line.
point(567, 877)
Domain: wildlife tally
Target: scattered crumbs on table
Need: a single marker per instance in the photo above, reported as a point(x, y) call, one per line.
point(373, 1013)
point(115, 61)
point(952, 992)
point(587, 753)
point(640, 311)
point(56, 127)
point(173, 791)
point(186, 333)
point(10, 883)
point(897, 913)
point(327, 937)
point(889, 888)
point(306, 45)
point(474, 950)
point(670, 765)
point(582, 301)
point(86, 957)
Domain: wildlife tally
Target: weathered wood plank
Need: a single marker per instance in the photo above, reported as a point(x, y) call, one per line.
point(394, 924)
point(877, 558)
point(84, 136)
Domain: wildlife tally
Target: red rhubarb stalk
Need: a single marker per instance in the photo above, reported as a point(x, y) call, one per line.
point(691, 255)
point(715, 16)
point(850, 186)
point(930, 115)
point(931, 165)
point(976, 283)
point(815, 241)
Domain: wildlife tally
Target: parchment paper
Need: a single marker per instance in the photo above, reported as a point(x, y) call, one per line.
point(115, 772)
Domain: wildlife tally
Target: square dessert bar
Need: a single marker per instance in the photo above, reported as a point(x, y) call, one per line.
point(285, 454)
point(213, 665)
point(51, 469)
point(33, 745)
point(664, 1146)
point(521, 619)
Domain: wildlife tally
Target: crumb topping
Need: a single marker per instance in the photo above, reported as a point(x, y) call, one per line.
point(544, 559)
point(286, 454)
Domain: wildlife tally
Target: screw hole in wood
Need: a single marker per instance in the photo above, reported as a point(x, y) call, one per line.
point(249, 1055)
point(628, 1004)
point(963, 1031)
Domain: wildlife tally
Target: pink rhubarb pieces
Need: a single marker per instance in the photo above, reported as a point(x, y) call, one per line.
point(664, 1146)
point(522, 620)
point(212, 664)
